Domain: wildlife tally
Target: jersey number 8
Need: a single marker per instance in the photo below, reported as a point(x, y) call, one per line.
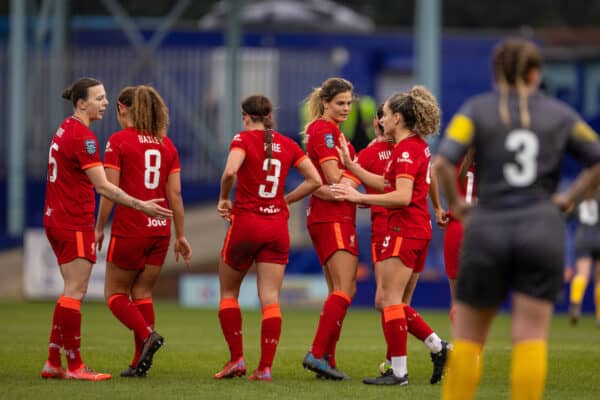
point(152, 168)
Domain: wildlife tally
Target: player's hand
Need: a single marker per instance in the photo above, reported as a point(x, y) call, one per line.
point(345, 192)
point(224, 209)
point(460, 210)
point(562, 201)
point(99, 233)
point(182, 249)
point(344, 152)
point(441, 217)
point(153, 209)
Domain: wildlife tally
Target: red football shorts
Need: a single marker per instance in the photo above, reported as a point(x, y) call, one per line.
point(378, 234)
point(69, 245)
point(411, 251)
point(452, 242)
point(329, 237)
point(251, 238)
point(134, 253)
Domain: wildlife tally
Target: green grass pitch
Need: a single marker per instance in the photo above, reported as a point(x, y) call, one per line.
point(195, 349)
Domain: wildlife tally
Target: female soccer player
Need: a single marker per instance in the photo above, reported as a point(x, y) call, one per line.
point(260, 158)
point(140, 159)
point(587, 254)
point(374, 159)
point(453, 237)
point(403, 188)
point(74, 170)
point(514, 238)
point(331, 224)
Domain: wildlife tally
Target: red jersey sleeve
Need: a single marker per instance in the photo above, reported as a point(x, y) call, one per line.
point(85, 148)
point(238, 143)
point(324, 142)
point(112, 153)
point(408, 162)
point(175, 163)
point(297, 154)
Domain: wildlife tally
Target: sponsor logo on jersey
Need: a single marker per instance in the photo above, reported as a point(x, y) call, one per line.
point(156, 222)
point(59, 132)
point(329, 142)
point(405, 158)
point(237, 138)
point(427, 152)
point(269, 210)
point(90, 146)
point(108, 148)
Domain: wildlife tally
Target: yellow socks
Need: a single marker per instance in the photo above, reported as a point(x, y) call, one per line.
point(578, 285)
point(597, 300)
point(528, 370)
point(463, 371)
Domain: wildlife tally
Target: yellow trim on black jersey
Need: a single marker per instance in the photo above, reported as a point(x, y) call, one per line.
point(583, 131)
point(461, 129)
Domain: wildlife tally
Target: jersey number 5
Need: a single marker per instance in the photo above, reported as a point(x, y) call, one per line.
point(152, 168)
point(273, 178)
point(525, 144)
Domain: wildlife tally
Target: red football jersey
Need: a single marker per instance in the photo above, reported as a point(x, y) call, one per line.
point(322, 139)
point(144, 163)
point(70, 199)
point(410, 159)
point(260, 181)
point(374, 159)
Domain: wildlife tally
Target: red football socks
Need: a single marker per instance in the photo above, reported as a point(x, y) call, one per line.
point(330, 323)
point(230, 317)
point(69, 315)
point(395, 329)
point(269, 334)
point(416, 324)
point(146, 307)
point(129, 315)
point(55, 343)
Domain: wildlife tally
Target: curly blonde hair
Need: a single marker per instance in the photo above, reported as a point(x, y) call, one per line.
point(419, 109)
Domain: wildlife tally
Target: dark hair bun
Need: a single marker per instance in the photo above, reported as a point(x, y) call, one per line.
point(67, 93)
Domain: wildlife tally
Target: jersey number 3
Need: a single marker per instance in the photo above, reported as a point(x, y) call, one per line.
point(273, 178)
point(525, 144)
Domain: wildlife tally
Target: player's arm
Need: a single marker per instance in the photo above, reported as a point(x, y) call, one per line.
point(234, 162)
point(312, 181)
point(367, 178)
point(106, 206)
point(181, 245)
point(459, 137)
point(441, 219)
point(584, 144)
point(465, 165)
point(397, 198)
point(97, 176)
